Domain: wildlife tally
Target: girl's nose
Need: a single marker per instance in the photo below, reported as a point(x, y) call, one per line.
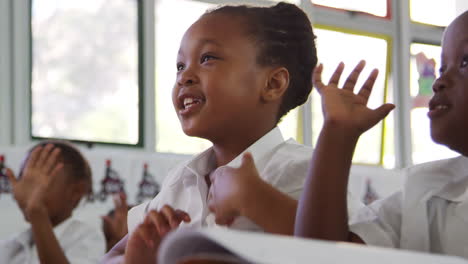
point(440, 83)
point(187, 77)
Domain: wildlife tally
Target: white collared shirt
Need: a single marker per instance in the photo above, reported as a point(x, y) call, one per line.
point(281, 163)
point(430, 214)
point(81, 244)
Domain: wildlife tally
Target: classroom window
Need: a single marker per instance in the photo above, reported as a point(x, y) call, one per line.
point(85, 76)
point(425, 63)
point(169, 31)
point(335, 46)
point(436, 12)
point(373, 7)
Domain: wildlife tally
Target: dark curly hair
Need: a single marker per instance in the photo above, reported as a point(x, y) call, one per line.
point(284, 36)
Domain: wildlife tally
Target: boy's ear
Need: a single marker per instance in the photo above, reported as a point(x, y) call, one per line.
point(79, 190)
point(276, 85)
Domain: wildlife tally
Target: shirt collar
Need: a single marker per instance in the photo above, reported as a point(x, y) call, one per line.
point(204, 163)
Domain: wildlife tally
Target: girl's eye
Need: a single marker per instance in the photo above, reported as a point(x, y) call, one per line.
point(206, 58)
point(441, 70)
point(180, 67)
point(464, 62)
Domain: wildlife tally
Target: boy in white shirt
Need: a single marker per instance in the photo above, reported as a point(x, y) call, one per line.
point(431, 213)
point(52, 181)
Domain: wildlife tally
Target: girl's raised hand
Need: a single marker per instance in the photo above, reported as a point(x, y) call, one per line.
point(342, 107)
point(40, 172)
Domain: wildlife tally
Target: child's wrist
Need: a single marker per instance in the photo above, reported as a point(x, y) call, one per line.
point(36, 211)
point(341, 129)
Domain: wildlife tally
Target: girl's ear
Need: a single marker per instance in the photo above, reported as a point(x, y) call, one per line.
point(277, 83)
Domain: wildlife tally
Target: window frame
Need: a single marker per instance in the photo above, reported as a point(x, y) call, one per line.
point(141, 91)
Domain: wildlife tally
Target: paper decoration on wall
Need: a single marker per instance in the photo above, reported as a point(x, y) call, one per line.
point(111, 184)
point(426, 70)
point(5, 186)
point(148, 188)
point(370, 195)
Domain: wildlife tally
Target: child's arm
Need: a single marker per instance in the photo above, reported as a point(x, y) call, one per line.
point(322, 210)
point(30, 191)
point(241, 191)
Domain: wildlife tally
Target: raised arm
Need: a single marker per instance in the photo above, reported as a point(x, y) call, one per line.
point(241, 191)
point(30, 193)
point(322, 210)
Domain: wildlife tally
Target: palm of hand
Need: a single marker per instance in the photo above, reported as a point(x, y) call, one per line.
point(30, 191)
point(39, 174)
point(347, 108)
point(343, 106)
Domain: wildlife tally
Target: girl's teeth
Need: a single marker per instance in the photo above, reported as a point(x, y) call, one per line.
point(441, 107)
point(187, 101)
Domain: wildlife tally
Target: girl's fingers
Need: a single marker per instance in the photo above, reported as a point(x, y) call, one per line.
point(44, 154)
point(33, 158)
point(366, 89)
point(354, 76)
point(170, 215)
point(159, 221)
point(50, 161)
point(335, 78)
point(147, 233)
point(11, 176)
point(56, 170)
point(317, 78)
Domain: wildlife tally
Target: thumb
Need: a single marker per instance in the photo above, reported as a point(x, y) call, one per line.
point(247, 161)
point(11, 176)
point(383, 111)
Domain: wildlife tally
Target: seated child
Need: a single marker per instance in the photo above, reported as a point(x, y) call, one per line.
point(430, 214)
point(239, 70)
point(52, 180)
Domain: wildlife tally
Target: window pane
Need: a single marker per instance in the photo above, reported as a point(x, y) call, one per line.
point(169, 32)
point(374, 7)
point(290, 126)
point(85, 70)
point(330, 53)
point(425, 62)
point(436, 12)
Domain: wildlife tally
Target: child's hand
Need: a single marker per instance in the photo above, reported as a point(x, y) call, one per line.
point(115, 227)
point(40, 172)
point(342, 107)
point(230, 188)
point(143, 244)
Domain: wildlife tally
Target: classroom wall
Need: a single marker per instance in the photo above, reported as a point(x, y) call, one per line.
point(129, 165)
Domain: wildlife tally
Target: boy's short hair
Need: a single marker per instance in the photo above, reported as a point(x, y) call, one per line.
point(74, 163)
point(284, 36)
